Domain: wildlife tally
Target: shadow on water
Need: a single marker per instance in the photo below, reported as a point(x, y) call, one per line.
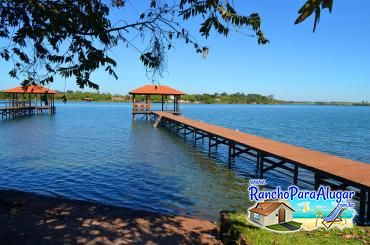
point(240, 167)
point(208, 181)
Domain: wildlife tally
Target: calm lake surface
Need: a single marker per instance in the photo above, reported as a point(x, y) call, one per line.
point(94, 151)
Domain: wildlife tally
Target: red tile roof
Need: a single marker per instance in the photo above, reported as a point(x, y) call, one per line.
point(156, 89)
point(32, 89)
point(266, 208)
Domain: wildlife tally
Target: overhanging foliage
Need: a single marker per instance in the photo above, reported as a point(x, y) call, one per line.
point(72, 38)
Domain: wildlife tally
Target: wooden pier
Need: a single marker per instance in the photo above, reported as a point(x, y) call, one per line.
point(329, 170)
point(27, 101)
point(11, 112)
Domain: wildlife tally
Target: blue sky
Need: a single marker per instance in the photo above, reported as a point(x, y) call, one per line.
point(332, 64)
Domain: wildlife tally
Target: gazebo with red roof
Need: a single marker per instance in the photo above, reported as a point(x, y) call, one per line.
point(29, 99)
point(153, 91)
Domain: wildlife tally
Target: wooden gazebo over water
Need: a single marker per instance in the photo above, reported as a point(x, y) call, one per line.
point(27, 101)
point(143, 99)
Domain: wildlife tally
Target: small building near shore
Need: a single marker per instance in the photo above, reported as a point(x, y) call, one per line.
point(271, 213)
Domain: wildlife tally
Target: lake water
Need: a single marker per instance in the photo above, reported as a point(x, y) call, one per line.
point(94, 151)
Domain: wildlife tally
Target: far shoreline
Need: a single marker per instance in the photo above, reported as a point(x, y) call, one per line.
point(192, 103)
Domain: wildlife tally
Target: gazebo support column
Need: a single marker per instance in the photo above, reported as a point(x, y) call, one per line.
point(177, 103)
point(53, 104)
point(147, 107)
point(134, 107)
point(162, 102)
point(174, 103)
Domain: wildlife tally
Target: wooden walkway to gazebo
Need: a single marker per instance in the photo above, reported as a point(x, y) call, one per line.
point(330, 170)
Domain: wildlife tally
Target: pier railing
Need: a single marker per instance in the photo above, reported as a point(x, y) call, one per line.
point(13, 109)
point(141, 107)
point(15, 104)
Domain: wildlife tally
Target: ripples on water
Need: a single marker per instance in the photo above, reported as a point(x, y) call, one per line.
point(93, 151)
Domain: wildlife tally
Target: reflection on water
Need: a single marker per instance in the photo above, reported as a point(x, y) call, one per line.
point(93, 151)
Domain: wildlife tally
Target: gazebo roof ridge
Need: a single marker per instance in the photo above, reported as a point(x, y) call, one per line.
point(32, 89)
point(151, 89)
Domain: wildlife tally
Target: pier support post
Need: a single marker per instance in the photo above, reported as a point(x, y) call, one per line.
point(209, 145)
point(368, 209)
point(229, 156)
point(317, 181)
point(295, 181)
point(260, 164)
point(362, 207)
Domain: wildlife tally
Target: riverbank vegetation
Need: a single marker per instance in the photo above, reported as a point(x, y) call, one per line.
point(239, 231)
point(91, 96)
point(235, 98)
point(216, 98)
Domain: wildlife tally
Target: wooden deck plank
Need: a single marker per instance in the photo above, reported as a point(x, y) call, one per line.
point(152, 111)
point(353, 171)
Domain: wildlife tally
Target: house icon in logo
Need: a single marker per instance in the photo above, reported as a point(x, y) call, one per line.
point(271, 212)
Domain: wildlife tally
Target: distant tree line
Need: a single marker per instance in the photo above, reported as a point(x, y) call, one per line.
point(224, 98)
point(236, 98)
point(216, 98)
point(82, 96)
